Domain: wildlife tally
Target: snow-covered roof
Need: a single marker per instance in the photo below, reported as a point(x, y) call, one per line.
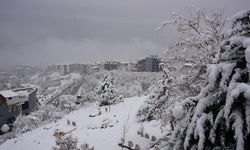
point(94, 67)
point(23, 93)
point(8, 93)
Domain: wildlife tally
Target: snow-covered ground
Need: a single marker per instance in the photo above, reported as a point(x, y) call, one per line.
point(88, 129)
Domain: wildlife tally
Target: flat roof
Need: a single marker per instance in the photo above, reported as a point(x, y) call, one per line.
point(8, 93)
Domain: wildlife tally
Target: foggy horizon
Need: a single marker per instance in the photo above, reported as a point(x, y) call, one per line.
point(47, 32)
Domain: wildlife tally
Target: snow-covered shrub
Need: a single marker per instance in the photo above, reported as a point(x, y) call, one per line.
point(84, 146)
point(130, 144)
point(24, 124)
point(45, 114)
point(5, 128)
point(66, 143)
point(218, 118)
point(137, 147)
point(153, 138)
point(156, 148)
point(146, 135)
point(178, 111)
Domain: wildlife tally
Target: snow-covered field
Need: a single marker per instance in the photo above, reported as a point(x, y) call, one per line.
point(88, 129)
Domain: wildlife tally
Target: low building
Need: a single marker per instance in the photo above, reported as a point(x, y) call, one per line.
point(15, 102)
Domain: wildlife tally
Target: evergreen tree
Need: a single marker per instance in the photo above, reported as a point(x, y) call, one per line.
point(106, 91)
point(154, 106)
point(219, 117)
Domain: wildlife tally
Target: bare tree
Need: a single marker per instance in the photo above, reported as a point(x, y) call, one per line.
point(203, 32)
point(125, 129)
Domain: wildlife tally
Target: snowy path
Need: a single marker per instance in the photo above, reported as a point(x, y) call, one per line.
point(88, 129)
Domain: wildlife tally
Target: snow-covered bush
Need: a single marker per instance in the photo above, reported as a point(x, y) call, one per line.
point(66, 143)
point(218, 118)
point(5, 128)
point(45, 114)
point(130, 144)
point(146, 135)
point(84, 146)
point(137, 147)
point(106, 91)
point(153, 138)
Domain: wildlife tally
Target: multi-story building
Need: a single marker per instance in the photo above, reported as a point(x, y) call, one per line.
point(111, 65)
point(84, 68)
point(52, 68)
point(149, 64)
point(140, 65)
point(74, 67)
point(15, 102)
point(69, 67)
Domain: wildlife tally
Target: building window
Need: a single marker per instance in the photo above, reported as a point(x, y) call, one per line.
point(14, 108)
point(10, 108)
point(10, 98)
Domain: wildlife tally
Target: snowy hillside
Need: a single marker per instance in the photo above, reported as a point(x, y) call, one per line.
point(95, 126)
point(51, 85)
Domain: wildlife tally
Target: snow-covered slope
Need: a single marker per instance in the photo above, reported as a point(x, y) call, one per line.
point(88, 129)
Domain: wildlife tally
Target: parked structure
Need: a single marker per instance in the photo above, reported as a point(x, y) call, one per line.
point(15, 102)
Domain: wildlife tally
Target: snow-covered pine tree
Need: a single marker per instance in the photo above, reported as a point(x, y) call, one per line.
point(106, 91)
point(155, 104)
point(219, 117)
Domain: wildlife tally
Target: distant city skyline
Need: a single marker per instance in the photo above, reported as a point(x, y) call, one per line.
point(46, 32)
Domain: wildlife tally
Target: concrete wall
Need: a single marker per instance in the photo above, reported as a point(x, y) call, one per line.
point(3, 114)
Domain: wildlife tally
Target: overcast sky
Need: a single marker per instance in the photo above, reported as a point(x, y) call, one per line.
point(41, 32)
